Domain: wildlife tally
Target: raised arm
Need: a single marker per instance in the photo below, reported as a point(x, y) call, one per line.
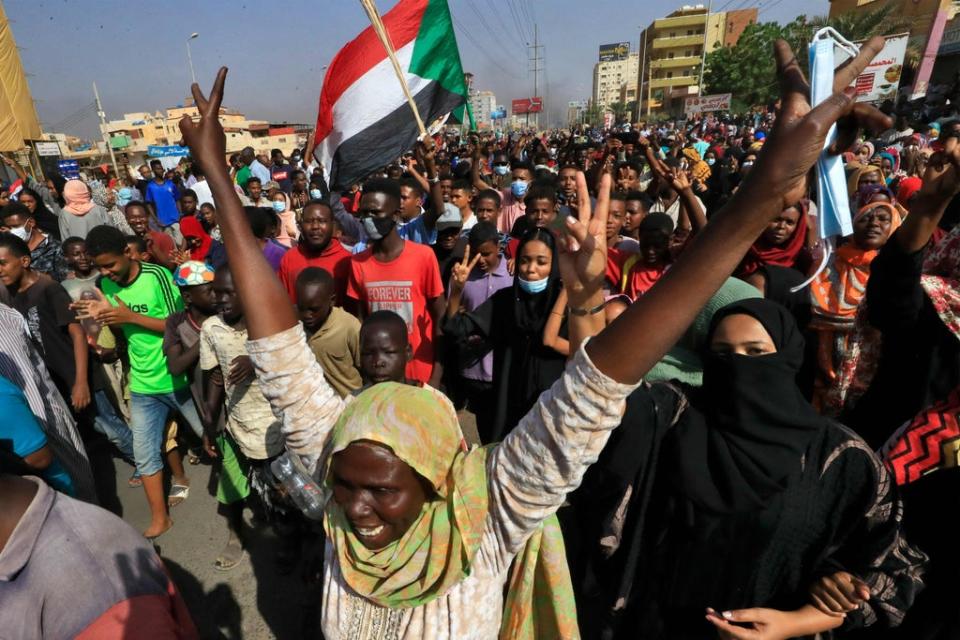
point(478, 182)
point(779, 178)
point(289, 375)
point(940, 183)
point(269, 311)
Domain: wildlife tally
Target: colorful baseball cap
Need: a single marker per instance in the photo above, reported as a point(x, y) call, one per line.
point(192, 273)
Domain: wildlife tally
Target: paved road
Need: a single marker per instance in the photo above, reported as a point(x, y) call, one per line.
point(252, 601)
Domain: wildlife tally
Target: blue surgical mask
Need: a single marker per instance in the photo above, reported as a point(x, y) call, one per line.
point(518, 188)
point(711, 161)
point(533, 286)
point(279, 206)
point(501, 169)
point(316, 194)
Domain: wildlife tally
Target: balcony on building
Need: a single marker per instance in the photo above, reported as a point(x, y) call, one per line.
point(675, 63)
point(677, 22)
point(677, 41)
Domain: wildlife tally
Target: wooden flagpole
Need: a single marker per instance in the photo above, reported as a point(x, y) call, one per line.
point(381, 32)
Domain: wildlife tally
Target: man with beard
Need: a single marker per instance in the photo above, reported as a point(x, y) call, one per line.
point(316, 248)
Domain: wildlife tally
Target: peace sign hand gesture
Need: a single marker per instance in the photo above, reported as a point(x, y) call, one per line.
point(205, 137)
point(462, 269)
point(583, 255)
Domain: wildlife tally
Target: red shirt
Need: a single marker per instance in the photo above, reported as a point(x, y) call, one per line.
point(335, 259)
point(628, 274)
point(404, 285)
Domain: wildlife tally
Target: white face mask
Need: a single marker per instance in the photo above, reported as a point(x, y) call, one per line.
point(21, 232)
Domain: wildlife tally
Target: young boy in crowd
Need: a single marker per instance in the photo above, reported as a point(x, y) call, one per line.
point(332, 333)
point(397, 275)
point(106, 368)
point(316, 248)
point(385, 349)
point(181, 347)
point(635, 273)
point(137, 299)
point(252, 437)
point(638, 206)
point(616, 217)
point(481, 273)
point(461, 196)
point(53, 325)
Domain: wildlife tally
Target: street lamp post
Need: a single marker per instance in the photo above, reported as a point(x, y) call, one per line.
point(193, 75)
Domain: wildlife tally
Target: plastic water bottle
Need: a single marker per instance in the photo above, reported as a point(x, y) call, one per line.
point(301, 488)
point(91, 326)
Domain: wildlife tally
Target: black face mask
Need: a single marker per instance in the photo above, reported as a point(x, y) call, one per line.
point(379, 228)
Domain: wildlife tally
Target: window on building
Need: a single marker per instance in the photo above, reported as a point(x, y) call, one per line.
point(689, 32)
point(669, 74)
point(673, 34)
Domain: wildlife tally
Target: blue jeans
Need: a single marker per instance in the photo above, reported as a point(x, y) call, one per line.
point(148, 417)
point(111, 425)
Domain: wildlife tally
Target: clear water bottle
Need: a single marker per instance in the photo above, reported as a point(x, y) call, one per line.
point(91, 326)
point(300, 486)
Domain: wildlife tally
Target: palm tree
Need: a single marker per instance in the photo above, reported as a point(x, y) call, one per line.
point(618, 109)
point(860, 25)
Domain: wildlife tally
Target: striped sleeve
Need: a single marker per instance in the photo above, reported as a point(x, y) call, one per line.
point(169, 295)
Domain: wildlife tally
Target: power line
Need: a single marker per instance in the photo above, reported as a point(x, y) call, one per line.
point(503, 25)
point(76, 116)
point(517, 22)
point(483, 22)
point(482, 49)
point(769, 6)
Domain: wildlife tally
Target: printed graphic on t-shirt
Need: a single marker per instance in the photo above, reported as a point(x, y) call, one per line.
point(392, 295)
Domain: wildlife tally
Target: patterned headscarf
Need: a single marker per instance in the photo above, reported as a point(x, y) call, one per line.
point(699, 169)
point(837, 291)
point(941, 279)
point(439, 548)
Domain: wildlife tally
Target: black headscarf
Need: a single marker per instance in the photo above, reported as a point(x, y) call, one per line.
point(47, 221)
point(58, 183)
point(532, 310)
point(753, 425)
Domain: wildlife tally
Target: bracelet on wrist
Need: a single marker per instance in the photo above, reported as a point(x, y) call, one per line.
point(582, 311)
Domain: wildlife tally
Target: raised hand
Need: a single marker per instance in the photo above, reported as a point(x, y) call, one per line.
point(462, 269)
point(941, 180)
point(798, 135)
point(583, 254)
point(679, 180)
point(205, 137)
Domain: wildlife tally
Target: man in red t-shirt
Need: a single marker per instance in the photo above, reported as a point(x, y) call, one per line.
point(316, 248)
point(396, 275)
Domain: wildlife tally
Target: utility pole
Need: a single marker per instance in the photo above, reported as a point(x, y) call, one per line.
point(643, 69)
point(536, 59)
point(103, 130)
point(703, 55)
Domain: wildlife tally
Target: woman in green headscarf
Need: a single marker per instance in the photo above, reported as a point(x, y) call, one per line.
point(424, 538)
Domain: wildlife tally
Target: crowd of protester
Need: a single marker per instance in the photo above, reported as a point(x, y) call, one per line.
point(784, 469)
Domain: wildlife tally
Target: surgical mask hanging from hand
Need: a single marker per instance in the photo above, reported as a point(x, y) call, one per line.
point(834, 218)
point(378, 228)
point(533, 286)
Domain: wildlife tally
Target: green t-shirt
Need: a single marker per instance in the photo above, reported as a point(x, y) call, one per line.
point(243, 175)
point(152, 293)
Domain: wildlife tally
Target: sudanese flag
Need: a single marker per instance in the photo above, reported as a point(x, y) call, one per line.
point(364, 121)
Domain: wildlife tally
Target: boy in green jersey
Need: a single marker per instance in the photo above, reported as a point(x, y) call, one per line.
point(137, 297)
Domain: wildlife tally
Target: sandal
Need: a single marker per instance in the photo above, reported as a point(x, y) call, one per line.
point(230, 557)
point(178, 493)
point(193, 458)
point(135, 481)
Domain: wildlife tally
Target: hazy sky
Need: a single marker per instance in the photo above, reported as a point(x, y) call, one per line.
point(276, 51)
